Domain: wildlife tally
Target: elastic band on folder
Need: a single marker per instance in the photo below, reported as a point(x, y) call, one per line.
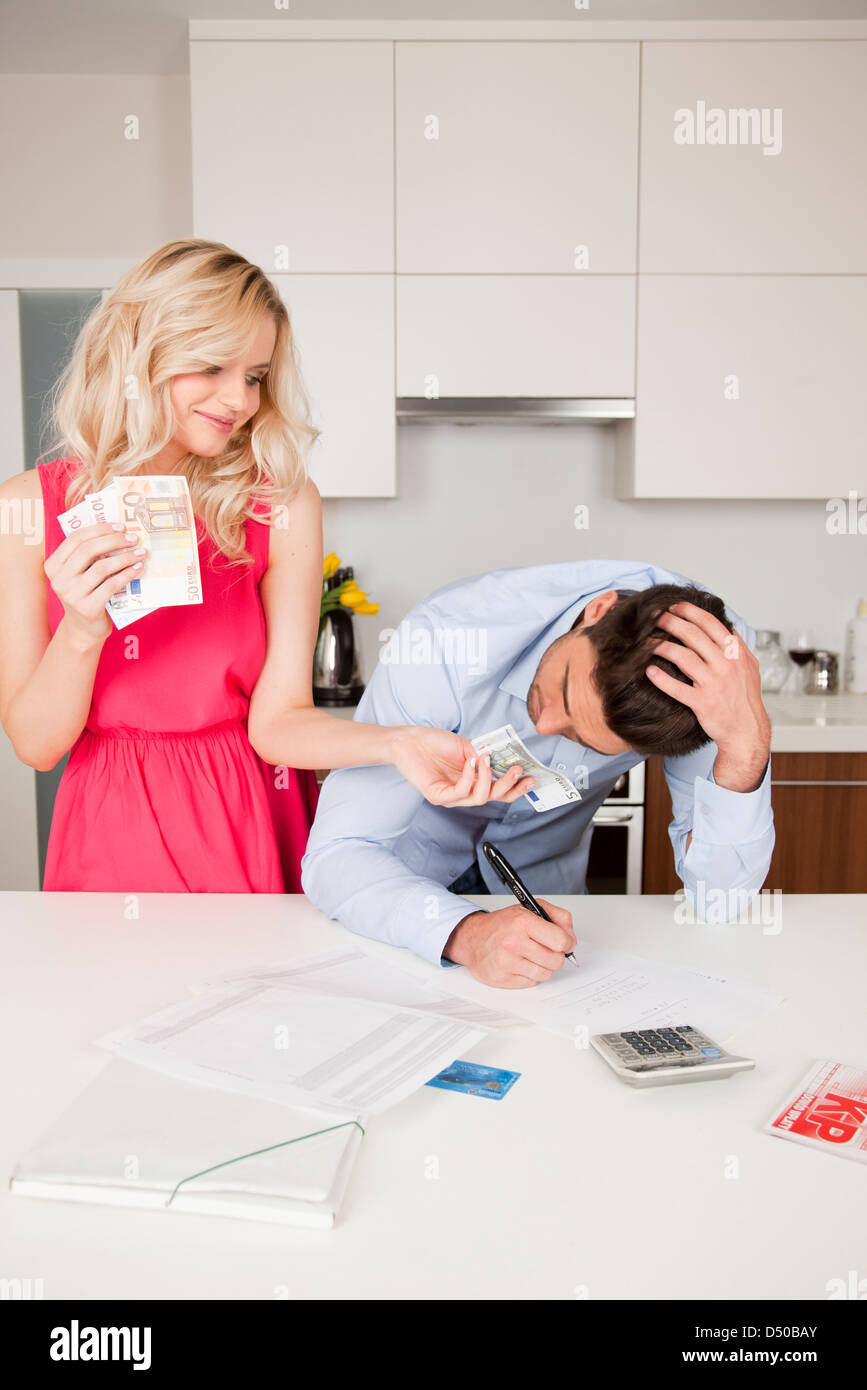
point(256, 1153)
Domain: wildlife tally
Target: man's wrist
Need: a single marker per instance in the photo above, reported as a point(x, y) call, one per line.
point(455, 948)
point(741, 770)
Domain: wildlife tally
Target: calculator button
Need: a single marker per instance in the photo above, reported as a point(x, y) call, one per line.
point(711, 1052)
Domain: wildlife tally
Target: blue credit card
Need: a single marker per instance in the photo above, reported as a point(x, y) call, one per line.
point(475, 1080)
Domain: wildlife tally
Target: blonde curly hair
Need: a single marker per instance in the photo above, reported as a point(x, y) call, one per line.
point(188, 306)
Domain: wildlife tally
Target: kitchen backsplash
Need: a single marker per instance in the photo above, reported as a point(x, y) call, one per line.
point(486, 497)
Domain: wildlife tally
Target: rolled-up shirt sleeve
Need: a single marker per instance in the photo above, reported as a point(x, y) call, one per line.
point(732, 835)
point(350, 870)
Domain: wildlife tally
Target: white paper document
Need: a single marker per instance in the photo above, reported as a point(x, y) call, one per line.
point(285, 1043)
point(350, 973)
point(612, 990)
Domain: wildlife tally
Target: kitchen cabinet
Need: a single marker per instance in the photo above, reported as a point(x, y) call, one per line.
point(820, 815)
point(515, 335)
point(509, 156)
point(731, 207)
point(343, 327)
point(293, 153)
point(747, 386)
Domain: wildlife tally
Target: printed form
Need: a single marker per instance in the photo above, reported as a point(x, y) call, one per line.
point(337, 1030)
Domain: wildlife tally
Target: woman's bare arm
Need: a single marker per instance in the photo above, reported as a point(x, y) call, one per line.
point(287, 730)
point(46, 682)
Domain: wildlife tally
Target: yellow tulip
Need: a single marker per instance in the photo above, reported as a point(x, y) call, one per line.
point(330, 564)
point(367, 608)
point(352, 600)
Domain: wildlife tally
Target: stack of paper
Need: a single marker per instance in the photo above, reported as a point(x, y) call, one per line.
point(337, 1031)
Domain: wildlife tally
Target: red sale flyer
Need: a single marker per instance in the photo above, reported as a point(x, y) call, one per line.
point(828, 1110)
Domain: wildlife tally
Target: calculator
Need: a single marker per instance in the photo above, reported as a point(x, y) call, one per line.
point(665, 1056)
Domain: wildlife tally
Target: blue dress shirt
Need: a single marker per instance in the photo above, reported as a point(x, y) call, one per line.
point(379, 855)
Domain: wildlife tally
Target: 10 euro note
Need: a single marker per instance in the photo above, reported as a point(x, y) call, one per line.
point(549, 788)
point(105, 506)
point(158, 509)
point(98, 507)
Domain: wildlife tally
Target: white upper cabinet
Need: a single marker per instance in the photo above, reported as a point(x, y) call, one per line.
point(515, 335)
point(516, 157)
point(748, 386)
point(293, 153)
point(343, 327)
point(752, 157)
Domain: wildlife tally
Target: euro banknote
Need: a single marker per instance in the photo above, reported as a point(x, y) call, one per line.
point(549, 788)
point(85, 513)
point(159, 512)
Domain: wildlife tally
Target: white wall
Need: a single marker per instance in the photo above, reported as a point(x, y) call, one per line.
point(473, 498)
point(19, 853)
point(76, 186)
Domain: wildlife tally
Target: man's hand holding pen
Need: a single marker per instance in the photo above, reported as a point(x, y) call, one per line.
point(512, 948)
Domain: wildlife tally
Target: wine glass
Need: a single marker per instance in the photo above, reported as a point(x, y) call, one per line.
point(801, 646)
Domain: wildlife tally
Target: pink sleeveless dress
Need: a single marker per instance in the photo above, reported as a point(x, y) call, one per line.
point(163, 792)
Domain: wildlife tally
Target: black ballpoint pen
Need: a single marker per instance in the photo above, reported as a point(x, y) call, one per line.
point(504, 871)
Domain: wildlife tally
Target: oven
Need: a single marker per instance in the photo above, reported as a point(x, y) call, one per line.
point(617, 847)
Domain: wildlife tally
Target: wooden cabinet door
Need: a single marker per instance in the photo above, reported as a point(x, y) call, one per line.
point(820, 816)
point(510, 155)
point(747, 386)
point(820, 813)
point(732, 208)
point(293, 148)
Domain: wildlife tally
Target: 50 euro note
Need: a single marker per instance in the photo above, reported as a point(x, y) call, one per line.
point(159, 510)
point(549, 788)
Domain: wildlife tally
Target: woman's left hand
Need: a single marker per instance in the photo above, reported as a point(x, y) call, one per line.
point(440, 764)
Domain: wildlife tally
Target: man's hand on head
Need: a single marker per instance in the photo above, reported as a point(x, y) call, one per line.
point(725, 695)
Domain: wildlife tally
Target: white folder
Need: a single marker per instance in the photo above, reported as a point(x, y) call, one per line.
point(135, 1137)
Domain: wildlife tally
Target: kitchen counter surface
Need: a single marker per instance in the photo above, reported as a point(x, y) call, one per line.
point(817, 723)
point(572, 1186)
point(799, 723)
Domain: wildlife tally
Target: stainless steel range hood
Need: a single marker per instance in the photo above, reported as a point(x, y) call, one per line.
point(540, 410)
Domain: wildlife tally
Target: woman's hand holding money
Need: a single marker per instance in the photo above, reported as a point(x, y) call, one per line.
point(446, 769)
point(84, 576)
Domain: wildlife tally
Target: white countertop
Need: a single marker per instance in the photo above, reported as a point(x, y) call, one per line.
point(572, 1180)
point(817, 723)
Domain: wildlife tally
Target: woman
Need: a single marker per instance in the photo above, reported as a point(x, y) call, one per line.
point(186, 728)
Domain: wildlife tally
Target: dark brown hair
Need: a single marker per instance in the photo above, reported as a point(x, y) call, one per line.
point(625, 638)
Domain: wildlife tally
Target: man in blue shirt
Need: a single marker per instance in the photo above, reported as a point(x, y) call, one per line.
point(597, 665)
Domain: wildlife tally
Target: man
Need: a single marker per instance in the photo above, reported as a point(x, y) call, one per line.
point(597, 666)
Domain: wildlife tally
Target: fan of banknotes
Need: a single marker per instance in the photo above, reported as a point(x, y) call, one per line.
point(506, 748)
point(159, 511)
